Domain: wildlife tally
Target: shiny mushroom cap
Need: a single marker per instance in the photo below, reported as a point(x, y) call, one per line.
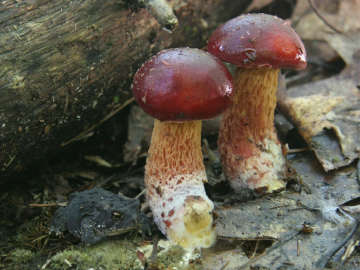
point(183, 84)
point(258, 40)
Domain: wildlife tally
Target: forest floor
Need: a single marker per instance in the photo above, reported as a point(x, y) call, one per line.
point(312, 224)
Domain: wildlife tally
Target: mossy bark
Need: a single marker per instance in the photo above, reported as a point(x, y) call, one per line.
point(65, 65)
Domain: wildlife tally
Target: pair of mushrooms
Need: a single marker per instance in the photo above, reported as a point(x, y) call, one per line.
point(180, 87)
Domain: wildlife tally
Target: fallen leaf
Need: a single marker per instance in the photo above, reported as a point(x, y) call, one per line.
point(283, 217)
point(340, 16)
point(327, 115)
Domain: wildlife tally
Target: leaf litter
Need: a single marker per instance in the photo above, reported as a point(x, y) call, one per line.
point(327, 112)
point(311, 227)
point(306, 229)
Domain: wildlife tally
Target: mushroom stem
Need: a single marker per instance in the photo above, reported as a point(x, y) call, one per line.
point(250, 150)
point(174, 176)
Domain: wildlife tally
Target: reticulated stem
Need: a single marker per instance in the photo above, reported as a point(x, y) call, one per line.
point(175, 149)
point(174, 176)
point(250, 150)
point(252, 114)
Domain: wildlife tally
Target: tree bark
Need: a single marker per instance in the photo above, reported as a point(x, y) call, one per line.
point(65, 65)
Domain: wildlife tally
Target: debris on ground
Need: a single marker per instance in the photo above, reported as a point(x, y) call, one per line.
point(95, 214)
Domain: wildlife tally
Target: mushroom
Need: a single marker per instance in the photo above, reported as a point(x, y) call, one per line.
point(180, 87)
point(259, 45)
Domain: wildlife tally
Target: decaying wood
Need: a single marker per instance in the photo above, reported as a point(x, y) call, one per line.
point(65, 65)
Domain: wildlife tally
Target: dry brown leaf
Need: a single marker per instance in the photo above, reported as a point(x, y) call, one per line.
point(346, 45)
point(327, 112)
point(258, 4)
point(341, 15)
point(327, 115)
point(285, 216)
point(310, 26)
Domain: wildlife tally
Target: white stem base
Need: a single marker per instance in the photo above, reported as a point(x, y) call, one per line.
point(262, 172)
point(183, 214)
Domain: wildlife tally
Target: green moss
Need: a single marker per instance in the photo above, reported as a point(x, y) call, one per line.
point(119, 254)
point(116, 99)
point(171, 258)
point(20, 256)
point(177, 258)
point(107, 255)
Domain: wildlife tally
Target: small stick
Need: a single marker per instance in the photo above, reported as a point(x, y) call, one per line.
point(46, 264)
point(226, 238)
point(84, 134)
point(255, 249)
point(297, 150)
point(154, 253)
point(358, 172)
point(323, 261)
point(322, 18)
point(140, 194)
point(67, 262)
point(282, 242)
point(225, 265)
point(298, 247)
point(349, 250)
point(47, 204)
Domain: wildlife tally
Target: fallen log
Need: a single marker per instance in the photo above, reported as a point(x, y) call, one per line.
point(66, 65)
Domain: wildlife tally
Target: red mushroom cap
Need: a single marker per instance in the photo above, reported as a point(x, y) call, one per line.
point(257, 40)
point(183, 84)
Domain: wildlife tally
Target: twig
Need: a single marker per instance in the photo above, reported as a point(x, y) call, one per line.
point(225, 265)
point(154, 253)
point(226, 238)
point(7, 164)
point(311, 209)
point(255, 249)
point(46, 264)
point(289, 237)
point(298, 247)
point(67, 262)
point(320, 264)
point(349, 250)
point(84, 133)
point(47, 204)
point(358, 172)
point(103, 182)
point(280, 206)
point(140, 194)
point(297, 150)
point(323, 19)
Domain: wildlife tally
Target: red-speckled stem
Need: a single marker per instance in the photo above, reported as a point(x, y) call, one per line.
point(174, 176)
point(250, 150)
point(175, 149)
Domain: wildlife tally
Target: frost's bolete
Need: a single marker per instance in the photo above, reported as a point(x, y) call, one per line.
point(259, 45)
point(180, 87)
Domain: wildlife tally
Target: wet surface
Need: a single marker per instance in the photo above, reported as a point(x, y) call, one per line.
point(308, 227)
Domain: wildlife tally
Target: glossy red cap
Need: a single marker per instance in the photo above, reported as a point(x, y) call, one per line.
point(257, 40)
point(183, 84)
